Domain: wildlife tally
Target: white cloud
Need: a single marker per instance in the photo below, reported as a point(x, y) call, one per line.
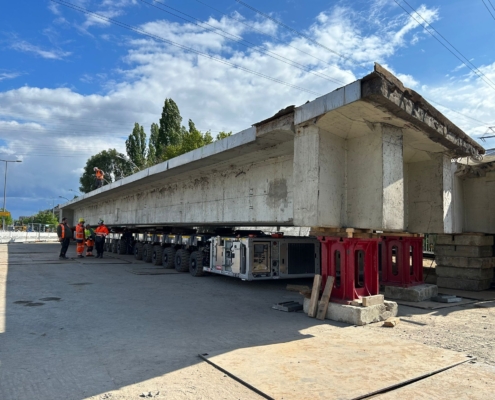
point(54, 54)
point(43, 125)
point(9, 75)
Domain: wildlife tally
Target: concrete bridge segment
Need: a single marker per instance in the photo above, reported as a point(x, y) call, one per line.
point(372, 155)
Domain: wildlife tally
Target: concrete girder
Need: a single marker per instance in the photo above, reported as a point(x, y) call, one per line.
point(353, 158)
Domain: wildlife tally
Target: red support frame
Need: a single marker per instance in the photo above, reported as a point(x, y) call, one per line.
point(353, 263)
point(402, 261)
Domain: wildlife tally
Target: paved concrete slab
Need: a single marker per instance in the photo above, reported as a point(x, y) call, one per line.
point(343, 364)
point(466, 381)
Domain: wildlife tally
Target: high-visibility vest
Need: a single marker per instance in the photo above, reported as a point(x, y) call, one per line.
point(99, 174)
point(79, 233)
point(102, 230)
point(65, 231)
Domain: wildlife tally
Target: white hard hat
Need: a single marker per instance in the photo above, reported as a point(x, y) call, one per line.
point(95, 168)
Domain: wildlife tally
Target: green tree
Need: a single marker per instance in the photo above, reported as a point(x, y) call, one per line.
point(170, 129)
point(223, 135)
point(8, 220)
point(45, 217)
point(110, 162)
point(154, 133)
point(136, 146)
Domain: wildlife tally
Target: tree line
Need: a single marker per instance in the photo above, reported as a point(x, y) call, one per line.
point(167, 139)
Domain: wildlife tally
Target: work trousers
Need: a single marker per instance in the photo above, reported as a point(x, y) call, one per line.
point(99, 243)
point(89, 247)
point(65, 245)
point(98, 183)
point(80, 248)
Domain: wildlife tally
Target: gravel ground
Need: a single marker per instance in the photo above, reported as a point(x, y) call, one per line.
point(469, 329)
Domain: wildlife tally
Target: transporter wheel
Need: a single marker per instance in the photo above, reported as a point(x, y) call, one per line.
point(138, 251)
point(156, 258)
point(168, 257)
point(114, 245)
point(182, 260)
point(148, 252)
point(121, 247)
point(106, 245)
point(196, 264)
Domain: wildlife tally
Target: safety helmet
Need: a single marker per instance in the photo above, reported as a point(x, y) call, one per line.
point(81, 219)
point(95, 168)
point(100, 221)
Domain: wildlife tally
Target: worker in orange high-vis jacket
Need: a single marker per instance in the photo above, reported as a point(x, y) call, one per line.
point(80, 238)
point(99, 175)
point(101, 233)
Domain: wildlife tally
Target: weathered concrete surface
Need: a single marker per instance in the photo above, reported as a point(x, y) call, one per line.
point(465, 262)
point(464, 251)
point(464, 273)
point(463, 284)
point(371, 155)
point(464, 240)
point(413, 293)
point(356, 315)
point(466, 381)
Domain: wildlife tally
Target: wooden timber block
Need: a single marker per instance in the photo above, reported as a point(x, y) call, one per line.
point(391, 322)
point(372, 300)
point(315, 294)
point(325, 299)
point(297, 288)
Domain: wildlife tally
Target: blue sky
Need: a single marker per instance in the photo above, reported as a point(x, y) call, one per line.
point(72, 84)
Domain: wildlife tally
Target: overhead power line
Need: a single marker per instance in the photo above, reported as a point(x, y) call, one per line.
point(182, 47)
point(243, 42)
point(293, 30)
point(263, 33)
point(490, 11)
point(475, 70)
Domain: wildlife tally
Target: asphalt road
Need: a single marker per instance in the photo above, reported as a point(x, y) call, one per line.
point(107, 329)
point(110, 333)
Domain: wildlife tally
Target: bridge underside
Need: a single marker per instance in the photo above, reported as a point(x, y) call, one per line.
point(370, 155)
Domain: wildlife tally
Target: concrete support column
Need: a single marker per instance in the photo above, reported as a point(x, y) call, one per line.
point(319, 177)
point(375, 179)
point(430, 204)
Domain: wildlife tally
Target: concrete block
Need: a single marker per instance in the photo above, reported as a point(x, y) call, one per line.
point(358, 315)
point(463, 251)
point(372, 300)
point(464, 273)
point(413, 293)
point(463, 284)
point(465, 240)
point(465, 262)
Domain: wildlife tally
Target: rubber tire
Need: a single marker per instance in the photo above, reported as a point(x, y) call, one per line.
point(182, 260)
point(138, 251)
point(121, 247)
point(114, 245)
point(168, 258)
point(106, 246)
point(156, 257)
point(196, 264)
point(148, 252)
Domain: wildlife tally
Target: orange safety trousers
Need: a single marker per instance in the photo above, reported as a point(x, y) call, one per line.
point(80, 248)
point(89, 244)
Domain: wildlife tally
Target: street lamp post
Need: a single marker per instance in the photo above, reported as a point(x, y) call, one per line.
point(62, 197)
point(5, 189)
point(122, 157)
